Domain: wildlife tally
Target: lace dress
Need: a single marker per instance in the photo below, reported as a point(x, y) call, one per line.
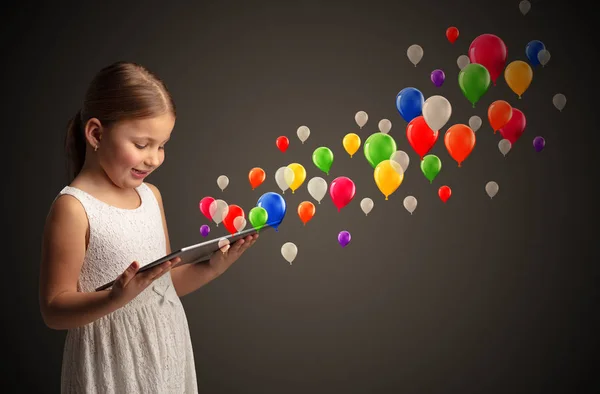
point(143, 347)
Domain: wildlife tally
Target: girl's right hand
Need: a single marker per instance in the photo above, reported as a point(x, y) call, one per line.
point(128, 285)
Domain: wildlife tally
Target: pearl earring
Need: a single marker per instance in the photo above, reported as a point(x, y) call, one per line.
point(95, 148)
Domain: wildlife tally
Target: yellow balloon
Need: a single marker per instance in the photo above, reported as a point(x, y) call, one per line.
point(299, 176)
point(388, 176)
point(351, 143)
point(518, 76)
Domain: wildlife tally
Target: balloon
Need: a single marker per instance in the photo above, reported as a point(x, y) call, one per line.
point(518, 75)
point(388, 176)
point(351, 143)
point(452, 34)
point(284, 178)
point(420, 136)
point(379, 147)
point(543, 57)
point(289, 251)
point(431, 166)
point(409, 103)
point(415, 54)
point(224, 245)
point(410, 204)
point(205, 206)
point(299, 176)
point(342, 191)
point(524, 7)
point(460, 141)
point(323, 158)
point(438, 77)
point(474, 81)
point(515, 126)
point(361, 118)
point(436, 112)
point(258, 217)
point(256, 176)
point(491, 188)
point(539, 143)
point(559, 100)
point(239, 223)
point(344, 238)
point(401, 158)
point(475, 122)
point(282, 143)
point(489, 51)
point(275, 206)
point(306, 211)
point(222, 182)
point(233, 212)
point(499, 113)
point(462, 61)
point(366, 204)
point(218, 211)
point(303, 132)
point(204, 230)
point(504, 146)
point(317, 187)
point(385, 126)
point(532, 49)
point(444, 192)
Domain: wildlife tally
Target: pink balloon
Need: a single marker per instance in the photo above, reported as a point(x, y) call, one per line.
point(515, 126)
point(205, 206)
point(342, 191)
point(491, 52)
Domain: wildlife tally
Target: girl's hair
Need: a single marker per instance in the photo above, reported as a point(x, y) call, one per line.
point(121, 91)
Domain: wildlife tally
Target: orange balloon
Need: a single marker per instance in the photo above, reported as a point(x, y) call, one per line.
point(499, 113)
point(306, 211)
point(257, 177)
point(460, 141)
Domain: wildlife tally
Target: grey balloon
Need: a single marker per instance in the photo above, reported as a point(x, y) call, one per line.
point(524, 7)
point(491, 188)
point(559, 100)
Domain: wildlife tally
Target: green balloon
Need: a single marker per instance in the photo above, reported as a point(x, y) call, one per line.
point(474, 80)
point(323, 159)
point(379, 147)
point(431, 166)
point(258, 217)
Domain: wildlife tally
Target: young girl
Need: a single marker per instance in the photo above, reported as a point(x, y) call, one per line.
point(133, 337)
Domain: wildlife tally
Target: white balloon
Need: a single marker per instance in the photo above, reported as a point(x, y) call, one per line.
point(361, 118)
point(415, 54)
point(475, 122)
point(543, 56)
point(289, 251)
point(504, 145)
point(559, 100)
point(366, 205)
point(222, 182)
point(303, 133)
point(410, 203)
point(463, 61)
point(317, 187)
point(224, 245)
point(524, 7)
point(385, 126)
point(491, 188)
point(239, 223)
point(218, 210)
point(284, 177)
point(401, 158)
point(436, 112)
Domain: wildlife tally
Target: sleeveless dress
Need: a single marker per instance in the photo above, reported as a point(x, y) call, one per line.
point(145, 346)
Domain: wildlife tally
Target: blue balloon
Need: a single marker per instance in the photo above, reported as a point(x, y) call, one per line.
point(532, 49)
point(275, 206)
point(409, 103)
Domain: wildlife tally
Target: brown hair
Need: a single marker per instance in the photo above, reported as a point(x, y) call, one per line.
point(121, 91)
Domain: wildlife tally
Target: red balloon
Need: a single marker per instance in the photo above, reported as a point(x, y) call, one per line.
point(491, 52)
point(234, 212)
point(452, 34)
point(420, 136)
point(460, 141)
point(205, 206)
point(444, 192)
point(282, 143)
point(515, 126)
point(342, 191)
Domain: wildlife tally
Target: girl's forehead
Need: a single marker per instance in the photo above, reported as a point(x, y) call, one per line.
point(159, 127)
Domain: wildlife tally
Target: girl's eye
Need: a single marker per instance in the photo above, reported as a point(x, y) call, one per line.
point(140, 146)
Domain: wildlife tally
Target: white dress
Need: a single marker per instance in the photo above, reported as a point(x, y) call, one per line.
point(145, 346)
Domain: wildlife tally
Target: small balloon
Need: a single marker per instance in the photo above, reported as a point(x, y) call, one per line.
point(351, 143)
point(462, 61)
point(385, 126)
point(401, 158)
point(388, 177)
point(344, 238)
point(518, 76)
point(438, 77)
point(431, 166)
point(543, 57)
point(258, 217)
point(204, 230)
point(475, 122)
point(410, 204)
point(504, 146)
point(436, 112)
point(361, 118)
point(409, 103)
point(524, 7)
point(452, 34)
point(342, 191)
point(303, 133)
point(415, 54)
point(444, 192)
point(491, 188)
point(299, 176)
point(222, 182)
point(366, 204)
point(420, 136)
point(284, 177)
point(317, 188)
point(378, 147)
point(275, 206)
point(515, 127)
point(233, 212)
point(460, 142)
point(289, 251)
point(282, 143)
point(559, 101)
point(204, 206)
point(224, 245)
point(306, 211)
point(499, 113)
point(239, 223)
point(539, 143)
point(532, 50)
point(489, 51)
point(218, 211)
point(323, 159)
point(256, 176)
point(474, 81)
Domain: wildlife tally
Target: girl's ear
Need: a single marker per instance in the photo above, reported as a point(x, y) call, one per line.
point(93, 132)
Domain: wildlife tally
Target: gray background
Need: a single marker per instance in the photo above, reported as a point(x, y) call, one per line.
point(475, 295)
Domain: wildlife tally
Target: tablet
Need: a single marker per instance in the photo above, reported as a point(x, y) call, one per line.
point(197, 253)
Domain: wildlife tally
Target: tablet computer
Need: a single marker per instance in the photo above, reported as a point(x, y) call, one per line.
point(197, 253)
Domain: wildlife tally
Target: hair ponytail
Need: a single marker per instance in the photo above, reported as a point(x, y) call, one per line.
point(75, 146)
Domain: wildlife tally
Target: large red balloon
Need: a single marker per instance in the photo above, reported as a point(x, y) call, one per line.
point(282, 143)
point(444, 192)
point(515, 126)
point(491, 52)
point(420, 136)
point(234, 212)
point(452, 34)
point(460, 141)
point(342, 191)
point(205, 206)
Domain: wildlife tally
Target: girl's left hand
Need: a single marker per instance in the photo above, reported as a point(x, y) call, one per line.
point(223, 259)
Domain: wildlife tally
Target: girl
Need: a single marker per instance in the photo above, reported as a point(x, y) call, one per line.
point(133, 337)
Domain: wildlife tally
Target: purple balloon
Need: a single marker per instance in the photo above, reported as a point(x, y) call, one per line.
point(539, 143)
point(204, 230)
point(344, 238)
point(438, 77)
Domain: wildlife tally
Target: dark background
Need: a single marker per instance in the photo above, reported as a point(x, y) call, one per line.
point(475, 295)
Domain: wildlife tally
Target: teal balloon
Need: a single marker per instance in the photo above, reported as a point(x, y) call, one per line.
point(474, 81)
point(431, 165)
point(379, 147)
point(323, 159)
